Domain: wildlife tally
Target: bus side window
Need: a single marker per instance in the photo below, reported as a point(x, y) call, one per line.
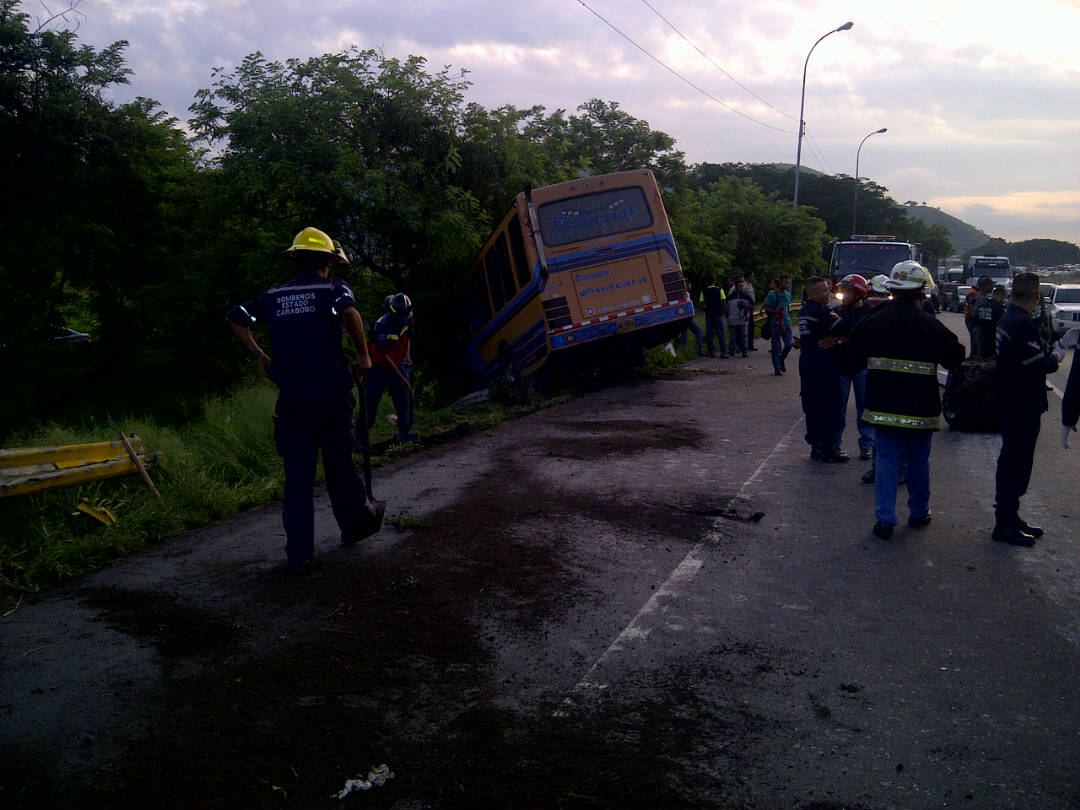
point(517, 250)
point(478, 305)
point(500, 275)
point(494, 283)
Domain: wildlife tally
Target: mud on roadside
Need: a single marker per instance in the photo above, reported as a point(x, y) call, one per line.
point(391, 660)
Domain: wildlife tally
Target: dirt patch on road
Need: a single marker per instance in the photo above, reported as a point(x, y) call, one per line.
point(176, 630)
point(387, 659)
point(599, 439)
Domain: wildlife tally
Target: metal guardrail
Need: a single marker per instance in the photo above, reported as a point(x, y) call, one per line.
point(34, 469)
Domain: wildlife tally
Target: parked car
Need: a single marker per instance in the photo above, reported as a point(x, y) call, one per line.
point(62, 334)
point(949, 296)
point(1064, 309)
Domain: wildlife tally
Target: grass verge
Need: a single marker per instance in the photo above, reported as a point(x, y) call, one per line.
point(215, 468)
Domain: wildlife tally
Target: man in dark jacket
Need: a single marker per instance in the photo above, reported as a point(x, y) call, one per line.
point(901, 346)
point(1070, 403)
point(305, 319)
point(985, 312)
point(715, 300)
point(819, 371)
point(1023, 363)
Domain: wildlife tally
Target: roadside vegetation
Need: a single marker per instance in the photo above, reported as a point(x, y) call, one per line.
point(216, 467)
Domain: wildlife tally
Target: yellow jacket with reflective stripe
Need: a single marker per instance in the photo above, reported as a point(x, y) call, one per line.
point(901, 347)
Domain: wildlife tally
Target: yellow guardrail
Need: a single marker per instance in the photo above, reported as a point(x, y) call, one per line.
point(34, 469)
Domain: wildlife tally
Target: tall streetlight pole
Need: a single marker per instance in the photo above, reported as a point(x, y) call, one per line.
point(855, 207)
point(802, 102)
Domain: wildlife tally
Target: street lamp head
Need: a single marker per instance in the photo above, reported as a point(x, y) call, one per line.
point(883, 129)
point(846, 26)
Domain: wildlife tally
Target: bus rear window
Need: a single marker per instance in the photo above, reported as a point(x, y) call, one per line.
point(603, 213)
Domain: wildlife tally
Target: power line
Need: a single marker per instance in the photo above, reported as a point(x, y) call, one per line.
point(713, 62)
point(679, 75)
point(819, 152)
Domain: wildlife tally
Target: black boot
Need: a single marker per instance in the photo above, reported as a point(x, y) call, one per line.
point(1013, 536)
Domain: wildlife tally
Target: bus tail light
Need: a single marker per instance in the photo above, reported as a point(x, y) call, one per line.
point(557, 313)
point(674, 285)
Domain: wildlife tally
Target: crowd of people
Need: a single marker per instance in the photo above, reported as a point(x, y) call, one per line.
point(729, 317)
point(881, 339)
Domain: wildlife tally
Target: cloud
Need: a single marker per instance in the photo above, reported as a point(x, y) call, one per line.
point(978, 99)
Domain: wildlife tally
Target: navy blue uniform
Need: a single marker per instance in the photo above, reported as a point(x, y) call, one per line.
point(1023, 363)
point(315, 403)
point(1070, 403)
point(715, 301)
point(819, 374)
point(985, 314)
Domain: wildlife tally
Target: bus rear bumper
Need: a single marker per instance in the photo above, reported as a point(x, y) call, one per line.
point(619, 323)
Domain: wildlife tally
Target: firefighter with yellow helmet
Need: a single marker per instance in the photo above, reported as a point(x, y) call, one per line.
point(901, 347)
point(305, 318)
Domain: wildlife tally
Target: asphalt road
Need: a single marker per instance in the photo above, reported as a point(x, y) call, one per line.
point(578, 612)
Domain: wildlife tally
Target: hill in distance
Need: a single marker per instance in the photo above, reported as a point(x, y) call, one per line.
point(963, 236)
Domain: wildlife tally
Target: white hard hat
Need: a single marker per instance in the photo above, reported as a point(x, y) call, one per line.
point(878, 283)
point(909, 275)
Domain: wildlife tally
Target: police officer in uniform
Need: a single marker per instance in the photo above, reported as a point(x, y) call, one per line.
point(819, 371)
point(853, 291)
point(305, 318)
point(1070, 400)
point(985, 312)
point(901, 346)
point(1023, 363)
point(391, 364)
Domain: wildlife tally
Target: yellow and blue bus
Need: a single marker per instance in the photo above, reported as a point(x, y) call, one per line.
point(578, 274)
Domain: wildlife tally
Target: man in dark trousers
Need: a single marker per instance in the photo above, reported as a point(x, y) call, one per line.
point(305, 318)
point(391, 365)
point(985, 312)
point(819, 371)
point(715, 300)
point(1070, 401)
point(901, 347)
point(1023, 363)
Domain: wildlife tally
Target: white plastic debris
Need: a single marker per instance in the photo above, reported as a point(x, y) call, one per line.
point(376, 778)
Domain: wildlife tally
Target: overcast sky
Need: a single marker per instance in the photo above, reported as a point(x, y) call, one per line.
point(981, 100)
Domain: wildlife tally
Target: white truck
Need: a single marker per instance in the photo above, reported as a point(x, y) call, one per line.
point(997, 267)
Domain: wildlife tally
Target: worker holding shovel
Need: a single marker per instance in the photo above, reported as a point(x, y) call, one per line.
point(391, 366)
point(305, 318)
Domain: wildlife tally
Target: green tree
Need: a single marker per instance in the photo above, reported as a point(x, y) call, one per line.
point(99, 187)
point(367, 148)
point(732, 226)
point(603, 138)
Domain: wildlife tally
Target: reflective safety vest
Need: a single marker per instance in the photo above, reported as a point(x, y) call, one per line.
point(898, 419)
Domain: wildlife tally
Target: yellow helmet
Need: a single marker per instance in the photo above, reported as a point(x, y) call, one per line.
point(312, 239)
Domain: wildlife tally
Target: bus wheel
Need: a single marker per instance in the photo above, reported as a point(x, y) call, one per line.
point(510, 384)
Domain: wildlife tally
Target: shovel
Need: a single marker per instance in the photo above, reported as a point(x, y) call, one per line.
point(375, 509)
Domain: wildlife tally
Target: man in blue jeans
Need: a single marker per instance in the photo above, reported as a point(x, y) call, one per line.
point(901, 347)
point(778, 309)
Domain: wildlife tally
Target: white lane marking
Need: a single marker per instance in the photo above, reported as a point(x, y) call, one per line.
point(681, 575)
